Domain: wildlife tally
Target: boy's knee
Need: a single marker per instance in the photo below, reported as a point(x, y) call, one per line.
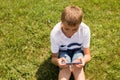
point(78, 74)
point(66, 70)
point(76, 69)
point(64, 74)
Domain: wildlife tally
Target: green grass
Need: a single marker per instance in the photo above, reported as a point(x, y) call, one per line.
point(25, 26)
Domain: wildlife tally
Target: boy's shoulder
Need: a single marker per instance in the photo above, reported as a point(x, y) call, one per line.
point(83, 26)
point(56, 29)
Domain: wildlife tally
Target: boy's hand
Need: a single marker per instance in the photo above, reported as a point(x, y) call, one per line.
point(61, 62)
point(79, 60)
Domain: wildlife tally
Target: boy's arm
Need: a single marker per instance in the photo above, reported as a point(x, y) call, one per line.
point(54, 59)
point(87, 56)
point(58, 61)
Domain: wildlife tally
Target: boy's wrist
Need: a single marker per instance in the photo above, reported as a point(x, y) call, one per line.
point(57, 62)
point(86, 58)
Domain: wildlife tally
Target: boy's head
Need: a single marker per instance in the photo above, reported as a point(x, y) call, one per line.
point(71, 15)
point(71, 18)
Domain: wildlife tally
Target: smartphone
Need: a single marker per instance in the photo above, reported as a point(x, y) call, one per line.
point(71, 63)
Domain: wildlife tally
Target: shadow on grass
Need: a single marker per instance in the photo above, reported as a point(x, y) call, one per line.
point(48, 71)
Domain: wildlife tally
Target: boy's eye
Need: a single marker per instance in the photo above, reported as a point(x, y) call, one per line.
point(66, 29)
point(74, 29)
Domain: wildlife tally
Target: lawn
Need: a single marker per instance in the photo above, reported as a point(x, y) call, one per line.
point(25, 27)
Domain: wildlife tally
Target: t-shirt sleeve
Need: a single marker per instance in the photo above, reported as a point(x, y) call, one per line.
point(54, 45)
point(86, 41)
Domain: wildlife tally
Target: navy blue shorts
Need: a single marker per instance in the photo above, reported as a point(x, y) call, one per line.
point(71, 55)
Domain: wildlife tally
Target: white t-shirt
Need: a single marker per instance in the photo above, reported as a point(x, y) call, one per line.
point(80, 39)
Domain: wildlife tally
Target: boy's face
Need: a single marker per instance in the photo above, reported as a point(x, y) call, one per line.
point(69, 30)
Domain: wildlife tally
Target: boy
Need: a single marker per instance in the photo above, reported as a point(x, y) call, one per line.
point(70, 41)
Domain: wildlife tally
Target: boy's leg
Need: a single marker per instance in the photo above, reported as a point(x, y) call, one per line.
point(78, 72)
point(64, 73)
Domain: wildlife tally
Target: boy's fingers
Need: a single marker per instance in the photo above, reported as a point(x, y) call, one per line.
point(83, 63)
point(80, 59)
point(63, 59)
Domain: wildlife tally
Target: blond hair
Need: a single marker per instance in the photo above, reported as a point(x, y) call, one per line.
point(72, 15)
